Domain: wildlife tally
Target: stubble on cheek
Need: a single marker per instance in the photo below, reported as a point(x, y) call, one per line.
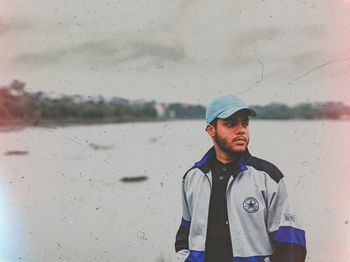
point(224, 145)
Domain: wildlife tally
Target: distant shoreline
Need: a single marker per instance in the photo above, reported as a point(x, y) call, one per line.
point(62, 123)
point(20, 109)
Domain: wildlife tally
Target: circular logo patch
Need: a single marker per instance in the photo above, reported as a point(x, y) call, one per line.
point(251, 205)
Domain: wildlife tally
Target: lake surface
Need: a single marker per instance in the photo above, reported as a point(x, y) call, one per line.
point(64, 201)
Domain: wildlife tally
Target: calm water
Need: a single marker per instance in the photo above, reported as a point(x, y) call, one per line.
point(63, 201)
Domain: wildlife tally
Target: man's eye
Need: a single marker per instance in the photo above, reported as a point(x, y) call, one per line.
point(231, 124)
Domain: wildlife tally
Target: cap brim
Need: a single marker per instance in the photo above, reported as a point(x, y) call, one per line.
point(229, 112)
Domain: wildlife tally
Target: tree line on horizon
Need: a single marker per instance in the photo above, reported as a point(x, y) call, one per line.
point(20, 107)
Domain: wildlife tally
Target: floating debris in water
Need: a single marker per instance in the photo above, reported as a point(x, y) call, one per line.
point(15, 152)
point(134, 179)
point(100, 147)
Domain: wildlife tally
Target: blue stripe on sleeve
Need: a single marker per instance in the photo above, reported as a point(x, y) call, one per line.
point(288, 234)
point(185, 224)
point(196, 256)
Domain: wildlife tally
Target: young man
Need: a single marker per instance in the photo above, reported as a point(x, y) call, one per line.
point(235, 206)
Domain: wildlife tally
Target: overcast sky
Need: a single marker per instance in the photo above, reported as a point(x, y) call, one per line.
point(186, 51)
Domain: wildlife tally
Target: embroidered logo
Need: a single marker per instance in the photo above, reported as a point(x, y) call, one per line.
point(251, 205)
point(289, 217)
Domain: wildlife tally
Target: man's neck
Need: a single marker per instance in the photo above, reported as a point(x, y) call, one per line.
point(224, 157)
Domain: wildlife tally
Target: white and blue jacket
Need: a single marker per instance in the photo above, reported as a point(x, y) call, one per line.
point(263, 224)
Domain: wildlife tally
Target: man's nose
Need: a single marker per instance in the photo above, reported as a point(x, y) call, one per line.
point(241, 129)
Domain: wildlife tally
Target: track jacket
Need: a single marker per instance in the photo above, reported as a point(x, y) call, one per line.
point(263, 224)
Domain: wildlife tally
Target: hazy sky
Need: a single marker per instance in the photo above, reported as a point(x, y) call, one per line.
point(187, 51)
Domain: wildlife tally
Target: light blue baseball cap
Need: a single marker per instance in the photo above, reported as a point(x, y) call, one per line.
point(225, 106)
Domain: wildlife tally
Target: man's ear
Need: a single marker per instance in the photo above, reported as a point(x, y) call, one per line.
point(210, 130)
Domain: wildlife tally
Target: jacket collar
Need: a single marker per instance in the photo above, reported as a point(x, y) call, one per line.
point(204, 165)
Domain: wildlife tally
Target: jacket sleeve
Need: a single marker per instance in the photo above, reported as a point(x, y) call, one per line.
point(181, 243)
point(284, 226)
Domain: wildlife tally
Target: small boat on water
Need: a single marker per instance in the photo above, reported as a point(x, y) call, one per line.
point(15, 152)
point(134, 179)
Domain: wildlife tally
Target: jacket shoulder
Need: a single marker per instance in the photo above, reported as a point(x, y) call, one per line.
point(267, 167)
point(188, 171)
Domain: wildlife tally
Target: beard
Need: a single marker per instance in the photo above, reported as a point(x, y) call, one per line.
point(224, 145)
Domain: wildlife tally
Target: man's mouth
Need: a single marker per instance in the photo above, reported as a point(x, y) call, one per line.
point(240, 139)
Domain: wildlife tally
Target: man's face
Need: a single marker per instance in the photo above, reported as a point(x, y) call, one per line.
point(232, 134)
